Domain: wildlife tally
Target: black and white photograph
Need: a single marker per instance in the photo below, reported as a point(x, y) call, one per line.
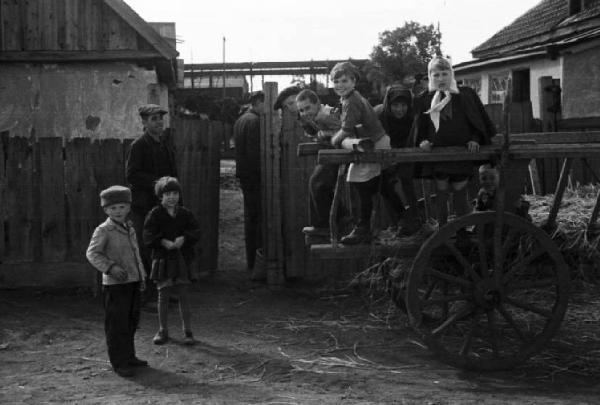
point(300, 202)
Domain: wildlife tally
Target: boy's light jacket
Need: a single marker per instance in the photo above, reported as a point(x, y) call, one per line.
point(112, 245)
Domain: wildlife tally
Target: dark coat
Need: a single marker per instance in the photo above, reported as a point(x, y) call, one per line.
point(160, 225)
point(246, 133)
point(474, 124)
point(467, 100)
point(147, 161)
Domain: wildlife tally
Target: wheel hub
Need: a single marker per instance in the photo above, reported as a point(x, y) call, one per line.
point(488, 294)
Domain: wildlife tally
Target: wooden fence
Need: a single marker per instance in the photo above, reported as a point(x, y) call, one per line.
point(49, 193)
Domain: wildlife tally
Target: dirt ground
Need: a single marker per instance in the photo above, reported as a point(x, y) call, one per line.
point(303, 344)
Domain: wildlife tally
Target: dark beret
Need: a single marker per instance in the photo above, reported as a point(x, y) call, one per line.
point(151, 109)
point(285, 93)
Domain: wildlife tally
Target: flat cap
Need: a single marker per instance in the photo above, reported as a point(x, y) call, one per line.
point(115, 195)
point(151, 109)
point(285, 93)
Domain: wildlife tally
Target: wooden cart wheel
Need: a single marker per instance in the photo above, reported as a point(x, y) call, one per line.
point(476, 314)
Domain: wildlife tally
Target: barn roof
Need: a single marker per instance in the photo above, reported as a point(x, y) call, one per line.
point(542, 25)
point(143, 28)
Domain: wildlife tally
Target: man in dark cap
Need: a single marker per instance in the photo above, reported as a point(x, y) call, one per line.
point(246, 133)
point(287, 99)
point(151, 157)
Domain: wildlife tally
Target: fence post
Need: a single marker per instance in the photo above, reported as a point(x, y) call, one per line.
point(270, 189)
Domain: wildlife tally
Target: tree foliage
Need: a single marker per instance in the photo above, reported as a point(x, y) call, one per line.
point(404, 52)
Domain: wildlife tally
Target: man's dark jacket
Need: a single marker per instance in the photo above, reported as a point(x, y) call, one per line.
point(147, 161)
point(246, 132)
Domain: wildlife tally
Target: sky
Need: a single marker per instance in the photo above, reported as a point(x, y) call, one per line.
point(288, 30)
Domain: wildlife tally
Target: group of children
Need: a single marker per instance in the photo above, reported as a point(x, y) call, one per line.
point(171, 231)
point(444, 115)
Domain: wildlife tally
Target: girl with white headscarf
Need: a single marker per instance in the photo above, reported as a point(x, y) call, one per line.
point(448, 115)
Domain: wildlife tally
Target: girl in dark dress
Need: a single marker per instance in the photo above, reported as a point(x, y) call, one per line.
point(171, 231)
point(450, 116)
point(396, 116)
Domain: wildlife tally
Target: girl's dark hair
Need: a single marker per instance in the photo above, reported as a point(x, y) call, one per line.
point(165, 184)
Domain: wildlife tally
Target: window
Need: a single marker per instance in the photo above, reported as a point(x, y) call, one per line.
point(498, 85)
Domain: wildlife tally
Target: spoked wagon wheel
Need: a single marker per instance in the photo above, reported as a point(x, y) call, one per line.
point(483, 301)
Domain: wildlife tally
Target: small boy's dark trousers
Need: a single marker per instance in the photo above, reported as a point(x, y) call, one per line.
point(121, 319)
point(365, 190)
point(321, 186)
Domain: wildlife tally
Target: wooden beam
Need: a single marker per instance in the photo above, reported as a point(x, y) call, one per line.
point(76, 56)
point(270, 65)
point(311, 148)
point(328, 252)
point(558, 194)
point(458, 154)
point(554, 137)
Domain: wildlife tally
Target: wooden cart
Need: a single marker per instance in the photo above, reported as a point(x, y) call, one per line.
point(491, 300)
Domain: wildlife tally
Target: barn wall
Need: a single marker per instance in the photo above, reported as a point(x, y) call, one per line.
point(97, 100)
point(580, 89)
point(69, 25)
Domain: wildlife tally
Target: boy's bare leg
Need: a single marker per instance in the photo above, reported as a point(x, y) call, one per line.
point(460, 200)
point(163, 308)
point(184, 307)
point(441, 201)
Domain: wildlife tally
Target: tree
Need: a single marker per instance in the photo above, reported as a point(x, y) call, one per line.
point(404, 52)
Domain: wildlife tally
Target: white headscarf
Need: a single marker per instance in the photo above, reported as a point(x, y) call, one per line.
point(437, 104)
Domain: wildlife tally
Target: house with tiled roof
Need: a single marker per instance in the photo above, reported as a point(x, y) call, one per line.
point(553, 48)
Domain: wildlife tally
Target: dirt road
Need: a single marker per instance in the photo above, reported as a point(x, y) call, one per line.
point(300, 345)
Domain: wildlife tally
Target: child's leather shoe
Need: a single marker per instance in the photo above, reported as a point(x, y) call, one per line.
point(315, 231)
point(135, 362)
point(161, 337)
point(358, 235)
point(124, 371)
point(188, 338)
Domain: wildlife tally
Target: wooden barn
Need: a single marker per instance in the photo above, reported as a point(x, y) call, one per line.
point(72, 76)
point(552, 54)
point(80, 68)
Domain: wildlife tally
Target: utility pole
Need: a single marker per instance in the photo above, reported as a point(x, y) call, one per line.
point(224, 67)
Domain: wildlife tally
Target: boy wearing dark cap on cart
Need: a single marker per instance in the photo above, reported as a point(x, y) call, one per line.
point(113, 250)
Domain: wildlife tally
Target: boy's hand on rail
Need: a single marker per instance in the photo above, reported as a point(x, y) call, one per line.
point(426, 145)
point(337, 139)
point(472, 146)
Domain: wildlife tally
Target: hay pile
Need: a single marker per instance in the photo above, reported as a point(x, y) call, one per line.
point(579, 245)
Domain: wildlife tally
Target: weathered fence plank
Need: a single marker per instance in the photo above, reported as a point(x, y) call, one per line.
point(52, 199)
point(19, 200)
point(197, 144)
point(81, 197)
point(271, 188)
point(4, 214)
point(295, 173)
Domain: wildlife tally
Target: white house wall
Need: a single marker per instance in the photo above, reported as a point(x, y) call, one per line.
point(97, 100)
point(581, 84)
point(536, 68)
point(539, 69)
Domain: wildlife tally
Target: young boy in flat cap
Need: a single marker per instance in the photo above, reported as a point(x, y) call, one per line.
point(114, 251)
